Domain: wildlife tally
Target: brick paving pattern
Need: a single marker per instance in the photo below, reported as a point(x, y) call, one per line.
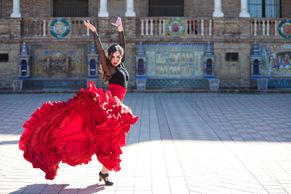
point(182, 143)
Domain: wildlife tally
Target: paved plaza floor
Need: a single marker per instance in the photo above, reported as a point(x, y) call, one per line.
point(182, 143)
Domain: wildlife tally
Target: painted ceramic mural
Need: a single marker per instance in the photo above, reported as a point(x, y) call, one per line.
point(58, 63)
point(174, 60)
point(276, 61)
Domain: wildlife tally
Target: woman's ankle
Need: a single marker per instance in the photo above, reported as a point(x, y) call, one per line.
point(104, 170)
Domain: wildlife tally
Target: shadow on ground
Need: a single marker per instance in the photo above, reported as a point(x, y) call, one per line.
point(58, 188)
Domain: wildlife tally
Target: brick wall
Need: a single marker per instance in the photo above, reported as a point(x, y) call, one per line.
point(198, 8)
point(29, 8)
point(286, 9)
point(233, 74)
point(230, 34)
point(141, 8)
point(32, 8)
point(93, 7)
point(6, 8)
point(9, 44)
point(116, 7)
point(9, 70)
point(1, 8)
point(231, 8)
point(193, 8)
point(202, 8)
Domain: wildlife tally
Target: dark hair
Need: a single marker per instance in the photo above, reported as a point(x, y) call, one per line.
point(112, 49)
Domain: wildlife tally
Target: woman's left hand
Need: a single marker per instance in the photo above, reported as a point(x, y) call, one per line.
point(118, 24)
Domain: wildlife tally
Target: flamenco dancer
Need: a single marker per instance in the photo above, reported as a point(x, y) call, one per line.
point(92, 122)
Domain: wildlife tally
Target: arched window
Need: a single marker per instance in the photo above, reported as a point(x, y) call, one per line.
point(23, 66)
point(140, 67)
point(70, 8)
point(166, 8)
point(209, 67)
point(256, 67)
point(92, 67)
point(265, 8)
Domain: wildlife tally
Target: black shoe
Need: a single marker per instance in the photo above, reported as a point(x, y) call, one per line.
point(105, 178)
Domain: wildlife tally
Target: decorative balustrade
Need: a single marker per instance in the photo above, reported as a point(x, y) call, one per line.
point(157, 26)
point(42, 27)
point(264, 28)
point(147, 27)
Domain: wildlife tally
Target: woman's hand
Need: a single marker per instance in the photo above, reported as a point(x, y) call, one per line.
point(118, 24)
point(89, 26)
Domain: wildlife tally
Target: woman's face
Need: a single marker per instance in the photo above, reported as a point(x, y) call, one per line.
point(116, 59)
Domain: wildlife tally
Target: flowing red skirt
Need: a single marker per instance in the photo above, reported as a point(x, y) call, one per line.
point(92, 122)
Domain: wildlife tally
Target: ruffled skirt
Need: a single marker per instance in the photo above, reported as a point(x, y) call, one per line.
point(92, 122)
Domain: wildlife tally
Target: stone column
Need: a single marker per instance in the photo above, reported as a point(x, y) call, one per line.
point(244, 9)
point(103, 12)
point(130, 8)
point(16, 9)
point(217, 9)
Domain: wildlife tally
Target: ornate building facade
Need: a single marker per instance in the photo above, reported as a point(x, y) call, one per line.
point(170, 43)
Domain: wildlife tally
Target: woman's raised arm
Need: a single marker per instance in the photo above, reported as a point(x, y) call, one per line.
point(106, 68)
point(121, 38)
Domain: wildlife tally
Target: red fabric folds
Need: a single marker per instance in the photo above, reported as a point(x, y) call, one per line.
point(92, 122)
point(117, 90)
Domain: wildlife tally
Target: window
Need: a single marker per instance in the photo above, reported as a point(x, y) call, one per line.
point(256, 67)
point(4, 57)
point(166, 8)
point(23, 66)
point(209, 67)
point(231, 57)
point(70, 8)
point(140, 67)
point(92, 67)
point(265, 8)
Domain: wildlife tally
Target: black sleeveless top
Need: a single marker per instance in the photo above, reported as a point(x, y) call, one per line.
point(120, 77)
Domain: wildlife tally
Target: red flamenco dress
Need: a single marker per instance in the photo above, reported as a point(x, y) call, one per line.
point(92, 122)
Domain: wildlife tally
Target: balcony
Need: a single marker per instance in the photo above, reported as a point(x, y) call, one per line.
point(179, 26)
point(264, 28)
point(159, 28)
point(41, 28)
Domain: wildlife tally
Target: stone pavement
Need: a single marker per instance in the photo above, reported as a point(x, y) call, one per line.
point(182, 143)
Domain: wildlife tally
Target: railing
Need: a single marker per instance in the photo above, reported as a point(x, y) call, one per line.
point(151, 27)
point(264, 28)
point(41, 27)
point(157, 26)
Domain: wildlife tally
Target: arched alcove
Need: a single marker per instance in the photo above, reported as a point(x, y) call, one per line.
point(256, 70)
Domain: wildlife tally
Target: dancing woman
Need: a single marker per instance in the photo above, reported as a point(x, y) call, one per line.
point(92, 122)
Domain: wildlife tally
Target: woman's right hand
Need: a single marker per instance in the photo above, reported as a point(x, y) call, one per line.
point(89, 26)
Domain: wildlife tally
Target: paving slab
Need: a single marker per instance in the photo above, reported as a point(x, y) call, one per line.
point(182, 143)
